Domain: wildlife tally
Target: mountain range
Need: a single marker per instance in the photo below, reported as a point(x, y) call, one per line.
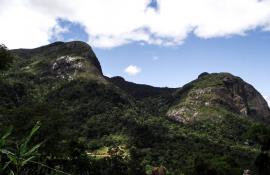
point(216, 124)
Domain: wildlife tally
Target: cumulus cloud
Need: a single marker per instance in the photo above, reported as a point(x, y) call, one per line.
point(30, 23)
point(132, 70)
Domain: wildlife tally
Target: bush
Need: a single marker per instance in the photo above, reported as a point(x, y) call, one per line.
point(6, 57)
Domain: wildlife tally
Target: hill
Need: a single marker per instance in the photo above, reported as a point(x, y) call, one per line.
point(214, 94)
point(93, 124)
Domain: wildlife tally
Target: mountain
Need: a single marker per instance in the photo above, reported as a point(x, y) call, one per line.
point(93, 124)
point(61, 60)
point(213, 94)
point(139, 91)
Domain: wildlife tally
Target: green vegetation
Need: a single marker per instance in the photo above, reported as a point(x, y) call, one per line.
point(14, 158)
point(92, 126)
point(6, 57)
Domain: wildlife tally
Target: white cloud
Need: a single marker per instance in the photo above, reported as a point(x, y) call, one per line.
point(57, 32)
point(267, 98)
point(30, 23)
point(132, 70)
point(155, 58)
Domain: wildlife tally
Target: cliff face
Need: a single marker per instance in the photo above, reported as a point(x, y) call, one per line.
point(61, 60)
point(214, 95)
point(246, 98)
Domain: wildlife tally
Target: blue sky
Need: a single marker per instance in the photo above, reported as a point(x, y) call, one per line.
point(173, 66)
point(247, 57)
point(156, 42)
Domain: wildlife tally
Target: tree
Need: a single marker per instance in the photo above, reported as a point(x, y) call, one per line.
point(262, 163)
point(6, 57)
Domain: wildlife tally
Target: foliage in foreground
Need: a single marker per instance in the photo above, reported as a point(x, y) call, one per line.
point(13, 160)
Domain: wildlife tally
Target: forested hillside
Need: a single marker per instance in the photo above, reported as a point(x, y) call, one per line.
point(87, 123)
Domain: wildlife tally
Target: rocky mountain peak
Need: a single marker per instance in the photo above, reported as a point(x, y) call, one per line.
point(218, 92)
point(64, 60)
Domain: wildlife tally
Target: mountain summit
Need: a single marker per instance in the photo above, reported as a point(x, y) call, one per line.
point(93, 124)
point(216, 94)
point(63, 60)
point(209, 95)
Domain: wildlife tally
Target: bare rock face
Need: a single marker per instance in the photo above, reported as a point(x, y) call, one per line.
point(61, 60)
point(246, 98)
point(67, 67)
point(57, 49)
point(214, 95)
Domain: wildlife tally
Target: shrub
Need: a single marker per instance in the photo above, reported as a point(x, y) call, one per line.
point(6, 57)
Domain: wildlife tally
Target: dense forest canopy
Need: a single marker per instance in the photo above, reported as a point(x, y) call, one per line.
point(68, 118)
